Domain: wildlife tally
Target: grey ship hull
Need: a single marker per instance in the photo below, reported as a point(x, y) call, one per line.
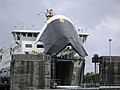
point(58, 34)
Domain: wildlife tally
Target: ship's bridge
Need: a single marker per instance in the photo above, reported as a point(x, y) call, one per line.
point(83, 35)
point(25, 35)
point(26, 40)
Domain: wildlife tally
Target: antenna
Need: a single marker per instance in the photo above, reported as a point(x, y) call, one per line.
point(15, 26)
point(22, 26)
point(32, 25)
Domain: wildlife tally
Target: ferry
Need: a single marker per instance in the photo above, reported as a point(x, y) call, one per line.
point(57, 34)
point(24, 43)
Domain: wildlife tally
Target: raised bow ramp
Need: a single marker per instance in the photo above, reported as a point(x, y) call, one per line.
point(59, 32)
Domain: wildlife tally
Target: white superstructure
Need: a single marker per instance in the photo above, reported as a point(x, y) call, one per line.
point(24, 43)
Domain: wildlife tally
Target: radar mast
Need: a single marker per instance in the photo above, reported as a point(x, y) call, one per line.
point(49, 13)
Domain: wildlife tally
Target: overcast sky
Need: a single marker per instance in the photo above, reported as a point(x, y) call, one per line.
point(100, 17)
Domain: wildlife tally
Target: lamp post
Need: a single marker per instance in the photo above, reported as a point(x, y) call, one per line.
point(110, 40)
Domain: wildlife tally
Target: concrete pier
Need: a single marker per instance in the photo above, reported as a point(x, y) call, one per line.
point(30, 72)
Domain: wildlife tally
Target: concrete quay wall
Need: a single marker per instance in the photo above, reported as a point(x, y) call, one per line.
point(30, 71)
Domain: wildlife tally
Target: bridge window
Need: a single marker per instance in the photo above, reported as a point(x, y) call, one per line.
point(24, 34)
point(29, 34)
point(39, 46)
point(0, 57)
point(35, 34)
point(18, 36)
point(28, 45)
point(0, 71)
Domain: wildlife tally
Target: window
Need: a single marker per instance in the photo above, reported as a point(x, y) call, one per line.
point(35, 34)
point(4, 71)
point(18, 36)
point(0, 57)
point(39, 46)
point(28, 45)
point(0, 71)
point(24, 34)
point(29, 34)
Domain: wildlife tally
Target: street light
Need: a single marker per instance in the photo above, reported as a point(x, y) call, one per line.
point(110, 40)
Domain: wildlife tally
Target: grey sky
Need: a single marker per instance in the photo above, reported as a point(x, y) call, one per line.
point(101, 17)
